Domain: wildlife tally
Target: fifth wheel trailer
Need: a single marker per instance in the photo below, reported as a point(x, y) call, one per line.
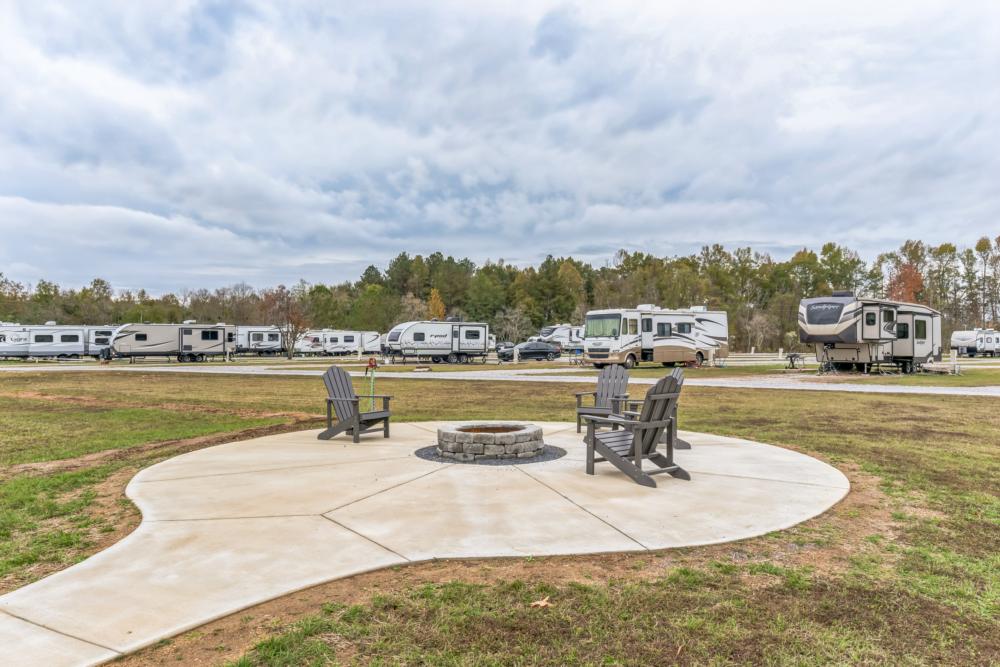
point(189, 341)
point(439, 341)
point(849, 331)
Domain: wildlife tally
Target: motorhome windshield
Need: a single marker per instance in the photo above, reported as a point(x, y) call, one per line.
point(603, 326)
point(394, 334)
point(824, 312)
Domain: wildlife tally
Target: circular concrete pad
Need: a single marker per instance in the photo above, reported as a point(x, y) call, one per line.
point(230, 526)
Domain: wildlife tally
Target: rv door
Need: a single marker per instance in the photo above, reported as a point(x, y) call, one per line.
point(869, 323)
point(187, 340)
point(647, 332)
point(472, 339)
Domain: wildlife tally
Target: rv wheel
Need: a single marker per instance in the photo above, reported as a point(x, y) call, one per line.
point(629, 361)
point(452, 358)
point(463, 358)
point(436, 360)
point(700, 358)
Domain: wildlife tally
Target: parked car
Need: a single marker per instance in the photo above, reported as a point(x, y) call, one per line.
point(504, 345)
point(531, 350)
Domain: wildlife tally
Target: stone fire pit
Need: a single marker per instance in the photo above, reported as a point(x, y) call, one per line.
point(507, 440)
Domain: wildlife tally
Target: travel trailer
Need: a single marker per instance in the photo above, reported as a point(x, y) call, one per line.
point(439, 341)
point(987, 342)
point(964, 342)
point(189, 341)
point(567, 336)
point(647, 333)
point(259, 340)
point(312, 342)
point(848, 331)
point(53, 340)
point(340, 342)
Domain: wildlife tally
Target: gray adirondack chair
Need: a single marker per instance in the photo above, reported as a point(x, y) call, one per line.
point(635, 436)
point(633, 404)
point(343, 403)
point(612, 388)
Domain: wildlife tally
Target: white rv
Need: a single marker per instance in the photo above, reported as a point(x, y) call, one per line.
point(848, 331)
point(987, 342)
point(453, 342)
point(189, 341)
point(65, 341)
point(628, 336)
point(259, 340)
point(567, 336)
point(312, 342)
point(339, 342)
point(964, 342)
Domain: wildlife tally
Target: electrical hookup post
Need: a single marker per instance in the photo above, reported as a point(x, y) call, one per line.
point(370, 374)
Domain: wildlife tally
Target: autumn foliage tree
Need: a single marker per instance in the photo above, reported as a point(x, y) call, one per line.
point(435, 306)
point(905, 284)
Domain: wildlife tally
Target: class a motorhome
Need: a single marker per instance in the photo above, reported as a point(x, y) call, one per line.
point(339, 341)
point(648, 333)
point(259, 340)
point(188, 341)
point(861, 332)
point(439, 340)
point(53, 340)
point(567, 336)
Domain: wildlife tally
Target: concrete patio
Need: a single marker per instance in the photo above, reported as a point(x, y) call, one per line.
point(234, 525)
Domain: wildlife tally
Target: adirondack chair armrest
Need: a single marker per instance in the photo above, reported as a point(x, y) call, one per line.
point(385, 399)
point(580, 394)
point(645, 426)
point(607, 420)
point(343, 400)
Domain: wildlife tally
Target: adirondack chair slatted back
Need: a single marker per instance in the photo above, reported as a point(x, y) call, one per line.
point(612, 381)
point(338, 385)
point(657, 408)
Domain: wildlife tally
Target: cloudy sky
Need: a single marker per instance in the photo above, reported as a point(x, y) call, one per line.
point(172, 144)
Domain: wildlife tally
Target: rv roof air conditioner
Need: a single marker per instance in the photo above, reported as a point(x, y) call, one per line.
point(190, 322)
point(50, 323)
point(843, 292)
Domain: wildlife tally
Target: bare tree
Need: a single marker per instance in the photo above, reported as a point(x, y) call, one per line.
point(286, 309)
point(512, 324)
point(761, 328)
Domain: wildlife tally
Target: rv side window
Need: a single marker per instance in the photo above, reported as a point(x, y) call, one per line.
point(210, 335)
point(684, 327)
point(257, 337)
point(633, 327)
point(231, 337)
point(100, 340)
point(870, 319)
point(902, 330)
point(888, 316)
point(43, 338)
point(418, 337)
point(332, 339)
point(647, 325)
point(187, 332)
point(472, 334)
point(348, 339)
point(920, 329)
point(69, 338)
point(272, 336)
point(102, 333)
point(140, 336)
point(663, 329)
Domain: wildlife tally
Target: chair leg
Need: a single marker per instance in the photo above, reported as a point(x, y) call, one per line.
point(357, 428)
point(578, 423)
point(385, 431)
point(590, 448)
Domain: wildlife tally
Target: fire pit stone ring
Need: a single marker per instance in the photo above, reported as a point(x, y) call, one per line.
point(491, 440)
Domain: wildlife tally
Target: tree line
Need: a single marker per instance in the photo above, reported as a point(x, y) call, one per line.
point(760, 294)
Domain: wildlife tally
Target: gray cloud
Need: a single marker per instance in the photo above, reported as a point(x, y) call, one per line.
point(172, 145)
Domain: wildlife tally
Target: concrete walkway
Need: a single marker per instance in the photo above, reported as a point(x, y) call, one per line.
point(521, 374)
point(230, 526)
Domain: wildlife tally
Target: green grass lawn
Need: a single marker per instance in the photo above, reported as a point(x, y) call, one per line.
point(904, 571)
point(970, 377)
